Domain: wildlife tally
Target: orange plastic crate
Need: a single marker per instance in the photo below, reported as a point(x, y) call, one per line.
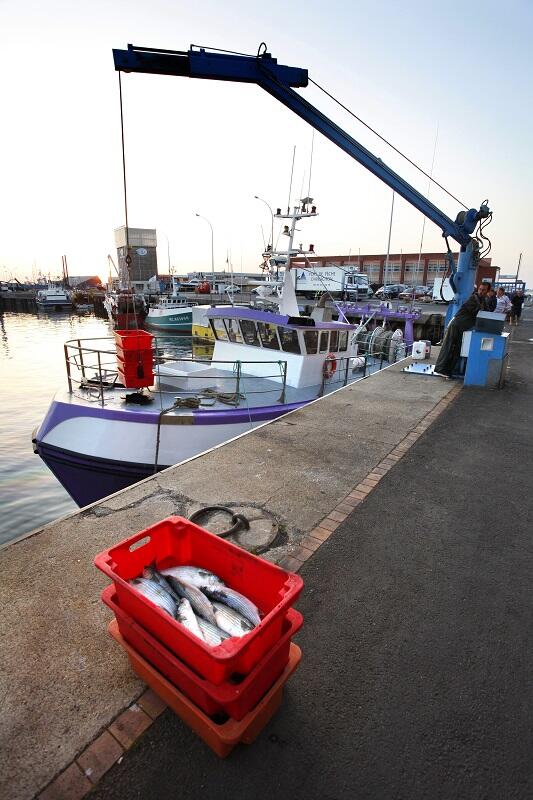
point(220, 737)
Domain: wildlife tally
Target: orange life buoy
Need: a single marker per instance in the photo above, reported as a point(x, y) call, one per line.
point(330, 365)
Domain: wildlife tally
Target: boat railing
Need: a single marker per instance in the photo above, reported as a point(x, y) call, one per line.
point(91, 366)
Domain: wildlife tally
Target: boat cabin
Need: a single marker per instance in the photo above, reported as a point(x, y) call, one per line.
point(254, 337)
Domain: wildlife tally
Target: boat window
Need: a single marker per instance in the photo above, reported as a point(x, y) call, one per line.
point(334, 341)
point(289, 340)
point(232, 327)
point(311, 341)
point(343, 341)
point(324, 337)
point(249, 331)
point(269, 337)
point(219, 330)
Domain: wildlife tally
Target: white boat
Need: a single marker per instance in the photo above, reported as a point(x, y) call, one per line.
point(53, 297)
point(96, 438)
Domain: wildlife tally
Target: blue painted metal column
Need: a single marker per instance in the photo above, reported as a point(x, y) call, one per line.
point(464, 279)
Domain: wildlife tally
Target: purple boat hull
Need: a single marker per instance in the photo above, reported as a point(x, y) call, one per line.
point(88, 479)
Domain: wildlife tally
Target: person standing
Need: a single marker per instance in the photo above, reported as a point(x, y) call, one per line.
point(491, 300)
point(464, 320)
point(503, 304)
point(517, 301)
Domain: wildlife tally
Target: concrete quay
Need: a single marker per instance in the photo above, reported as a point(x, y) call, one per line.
point(384, 473)
point(416, 676)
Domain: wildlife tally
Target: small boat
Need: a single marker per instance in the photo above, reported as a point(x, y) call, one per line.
point(97, 437)
point(54, 298)
point(171, 313)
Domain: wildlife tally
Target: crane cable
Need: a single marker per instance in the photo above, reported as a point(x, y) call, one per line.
point(131, 294)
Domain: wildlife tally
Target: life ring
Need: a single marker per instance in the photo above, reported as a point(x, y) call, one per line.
point(330, 366)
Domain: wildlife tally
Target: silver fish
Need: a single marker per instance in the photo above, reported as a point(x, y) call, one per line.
point(231, 621)
point(212, 634)
point(156, 594)
point(186, 616)
point(234, 600)
point(196, 598)
point(195, 576)
point(152, 574)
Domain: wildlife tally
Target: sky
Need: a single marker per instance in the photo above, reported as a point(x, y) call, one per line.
point(458, 74)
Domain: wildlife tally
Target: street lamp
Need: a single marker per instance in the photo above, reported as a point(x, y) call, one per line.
point(212, 251)
point(168, 252)
point(272, 218)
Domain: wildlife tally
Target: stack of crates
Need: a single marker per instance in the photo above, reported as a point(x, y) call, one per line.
point(135, 358)
point(226, 693)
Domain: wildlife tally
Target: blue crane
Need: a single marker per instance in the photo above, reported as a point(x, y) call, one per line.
point(279, 81)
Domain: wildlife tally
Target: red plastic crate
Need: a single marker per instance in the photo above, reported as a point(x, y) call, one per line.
point(129, 370)
point(221, 737)
point(132, 357)
point(175, 541)
point(133, 340)
point(233, 699)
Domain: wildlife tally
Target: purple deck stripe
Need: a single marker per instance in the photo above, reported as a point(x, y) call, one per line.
point(60, 412)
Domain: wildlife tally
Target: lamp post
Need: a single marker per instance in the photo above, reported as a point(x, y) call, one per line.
point(168, 252)
point(272, 220)
point(212, 251)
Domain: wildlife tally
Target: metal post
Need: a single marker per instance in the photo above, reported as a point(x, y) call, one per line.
point(100, 379)
point(82, 365)
point(212, 252)
point(271, 220)
point(238, 383)
point(283, 365)
point(67, 362)
point(346, 370)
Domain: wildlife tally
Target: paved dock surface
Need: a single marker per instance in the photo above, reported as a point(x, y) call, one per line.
point(62, 681)
point(416, 678)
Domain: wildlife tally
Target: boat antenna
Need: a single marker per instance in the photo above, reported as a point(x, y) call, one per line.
point(290, 184)
point(311, 163)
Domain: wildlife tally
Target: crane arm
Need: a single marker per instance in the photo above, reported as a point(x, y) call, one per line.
point(279, 81)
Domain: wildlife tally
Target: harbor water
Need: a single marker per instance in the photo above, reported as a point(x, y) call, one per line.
point(32, 369)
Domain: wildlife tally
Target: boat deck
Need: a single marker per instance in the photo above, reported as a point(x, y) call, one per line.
point(219, 390)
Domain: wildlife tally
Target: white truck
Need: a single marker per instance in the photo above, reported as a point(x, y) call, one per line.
point(337, 281)
point(442, 291)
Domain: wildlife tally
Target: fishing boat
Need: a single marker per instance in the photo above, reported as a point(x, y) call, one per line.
point(171, 313)
point(54, 298)
point(201, 329)
point(125, 309)
point(98, 438)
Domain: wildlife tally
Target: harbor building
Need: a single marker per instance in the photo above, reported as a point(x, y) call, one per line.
point(141, 246)
point(409, 268)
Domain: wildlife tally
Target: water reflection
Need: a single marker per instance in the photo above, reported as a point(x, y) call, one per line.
point(33, 369)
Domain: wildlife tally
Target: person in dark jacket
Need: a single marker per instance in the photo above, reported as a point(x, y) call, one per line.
point(517, 301)
point(464, 320)
point(491, 300)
